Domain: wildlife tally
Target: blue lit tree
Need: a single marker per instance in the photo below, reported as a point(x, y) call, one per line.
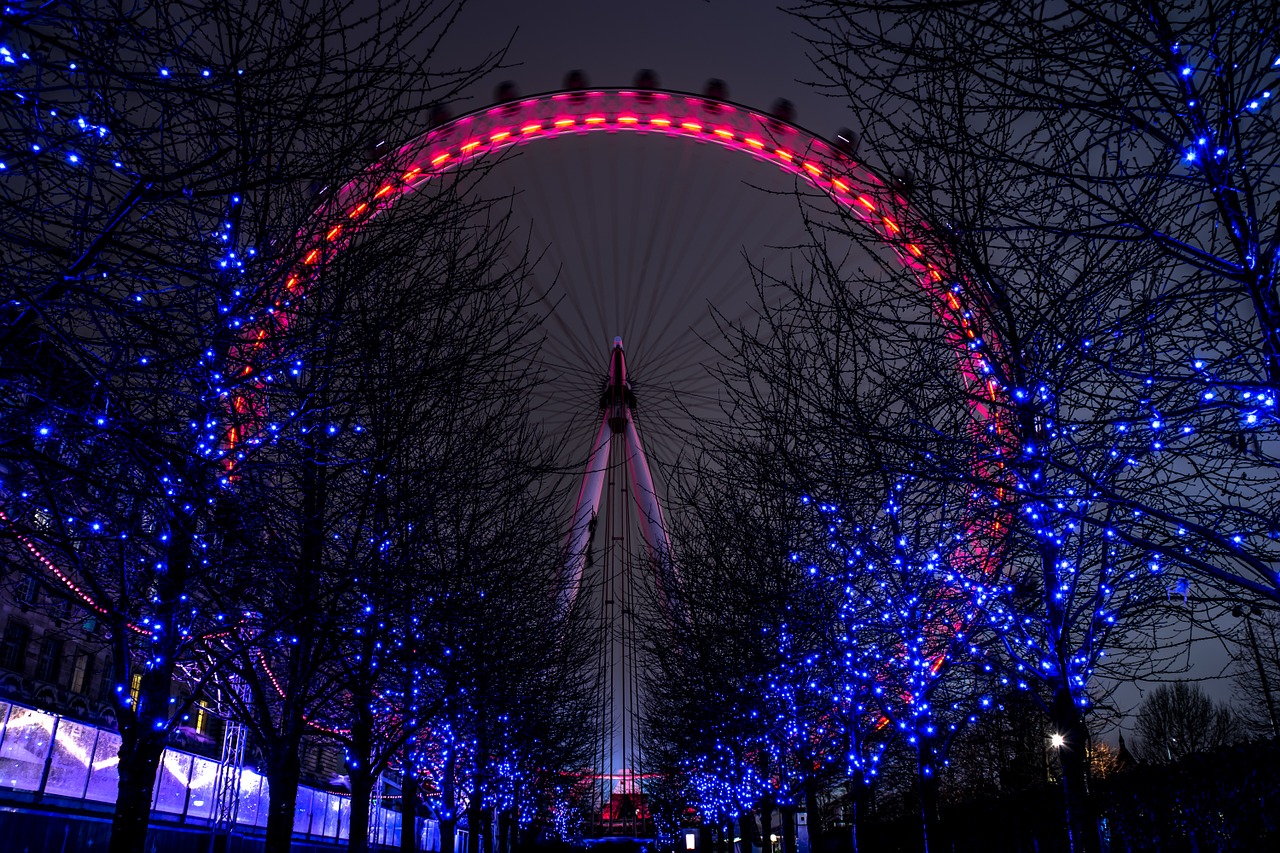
point(508, 666)
point(391, 417)
point(995, 465)
point(1095, 178)
point(156, 171)
point(717, 705)
point(455, 643)
point(1129, 145)
point(911, 648)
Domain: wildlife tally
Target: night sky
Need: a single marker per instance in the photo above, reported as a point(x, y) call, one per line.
point(750, 45)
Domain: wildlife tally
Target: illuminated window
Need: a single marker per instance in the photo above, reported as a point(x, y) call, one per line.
point(135, 686)
point(202, 718)
point(28, 590)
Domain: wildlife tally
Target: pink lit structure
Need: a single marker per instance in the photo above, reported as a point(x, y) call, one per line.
point(616, 405)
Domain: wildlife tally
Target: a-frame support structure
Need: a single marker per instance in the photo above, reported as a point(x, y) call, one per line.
point(617, 405)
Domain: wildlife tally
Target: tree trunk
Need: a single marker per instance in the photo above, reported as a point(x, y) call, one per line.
point(448, 799)
point(480, 830)
point(283, 771)
point(1082, 826)
point(144, 727)
point(788, 829)
point(513, 831)
point(746, 830)
point(504, 832)
point(927, 786)
point(409, 813)
point(132, 815)
point(813, 819)
point(361, 794)
point(766, 824)
point(858, 807)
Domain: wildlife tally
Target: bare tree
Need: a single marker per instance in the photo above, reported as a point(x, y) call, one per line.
point(1180, 719)
point(1256, 668)
point(713, 713)
point(1126, 152)
point(162, 162)
point(1077, 175)
point(404, 352)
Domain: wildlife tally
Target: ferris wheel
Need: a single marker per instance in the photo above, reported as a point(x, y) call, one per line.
point(647, 242)
point(651, 243)
point(652, 235)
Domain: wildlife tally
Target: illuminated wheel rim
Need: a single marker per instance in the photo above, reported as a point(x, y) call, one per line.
point(853, 186)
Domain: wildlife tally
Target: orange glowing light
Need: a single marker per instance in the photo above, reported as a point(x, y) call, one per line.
point(866, 202)
point(891, 225)
point(660, 122)
point(333, 232)
point(840, 185)
point(691, 126)
point(531, 128)
point(440, 158)
point(627, 120)
point(358, 209)
point(468, 147)
point(753, 142)
point(812, 169)
point(724, 134)
point(499, 136)
point(595, 119)
point(412, 173)
point(785, 155)
point(565, 122)
point(311, 256)
point(386, 188)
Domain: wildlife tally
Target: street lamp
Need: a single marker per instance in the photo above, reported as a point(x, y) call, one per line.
point(1056, 741)
point(1241, 612)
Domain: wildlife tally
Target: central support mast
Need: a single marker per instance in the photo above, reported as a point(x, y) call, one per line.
point(617, 466)
point(617, 405)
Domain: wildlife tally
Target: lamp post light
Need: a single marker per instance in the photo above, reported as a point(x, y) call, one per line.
point(1241, 612)
point(1056, 742)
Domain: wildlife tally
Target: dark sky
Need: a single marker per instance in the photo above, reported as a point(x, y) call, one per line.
point(749, 44)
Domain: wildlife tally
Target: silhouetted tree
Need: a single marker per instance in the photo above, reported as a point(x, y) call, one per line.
point(159, 167)
point(1077, 175)
point(1256, 668)
point(1180, 719)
